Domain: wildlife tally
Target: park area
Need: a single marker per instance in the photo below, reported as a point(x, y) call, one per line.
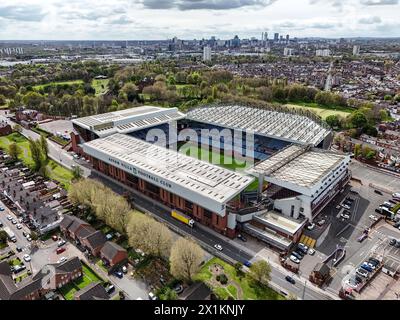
point(58, 83)
point(88, 277)
point(321, 111)
point(54, 170)
point(228, 283)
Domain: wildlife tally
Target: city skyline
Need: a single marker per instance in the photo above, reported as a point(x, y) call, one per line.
point(156, 20)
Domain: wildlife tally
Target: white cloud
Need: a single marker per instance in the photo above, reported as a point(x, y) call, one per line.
point(188, 19)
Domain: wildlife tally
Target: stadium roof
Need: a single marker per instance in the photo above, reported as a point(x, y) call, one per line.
point(201, 182)
point(286, 124)
point(299, 166)
point(128, 120)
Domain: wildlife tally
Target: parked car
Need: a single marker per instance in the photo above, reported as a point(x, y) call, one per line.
point(392, 242)
point(362, 237)
point(178, 288)
point(14, 221)
point(61, 243)
point(345, 206)
point(311, 251)
point(294, 259)
point(18, 248)
point(27, 257)
point(119, 274)
point(372, 217)
point(374, 262)
point(297, 255)
point(344, 216)
point(290, 279)
point(62, 259)
point(54, 237)
point(1, 208)
point(396, 195)
point(1, 224)
point(366, 266)
point(152, 296)
point(19, 226)
point(218, 247)
point(247, 264)
point(302, 247)
point(378, 192)
point(110, 289)
point(362, 272)
point(9, 218)
point(321, 222)
point(124, 269)
point(60, 250)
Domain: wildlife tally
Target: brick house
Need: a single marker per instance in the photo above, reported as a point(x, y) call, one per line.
point(94, 242)
point(5, 129)
point(113, 254)
point(58, 275)
point(70, 226)
point(94, 291)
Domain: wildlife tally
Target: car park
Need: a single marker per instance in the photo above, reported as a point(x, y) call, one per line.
point(290, 279)
point(294, 259)
point(218, 247)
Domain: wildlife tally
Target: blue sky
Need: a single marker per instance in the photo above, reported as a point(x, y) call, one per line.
point(189, 19)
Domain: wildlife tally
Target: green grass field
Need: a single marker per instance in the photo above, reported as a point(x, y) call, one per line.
point(55, 171)
point(88, 277)
point(248, 292)
point(58, 83)
point(321, 111)
point(100, 85)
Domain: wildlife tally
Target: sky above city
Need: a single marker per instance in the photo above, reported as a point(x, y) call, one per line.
point(195, 19)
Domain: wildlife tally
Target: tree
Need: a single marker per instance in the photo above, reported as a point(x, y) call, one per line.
point(131, 91)
point(357, 150)
point(36, 152)
point(77, 172)
point(14, 150)
point(3, 236)
point(168, 294)
point(149, 235)
point(333, 121)
point(185, 259)
point(260, 272)
point(358, 120)
point(44, 146)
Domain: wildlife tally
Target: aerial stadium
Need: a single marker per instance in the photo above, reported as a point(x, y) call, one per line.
point(233, 168)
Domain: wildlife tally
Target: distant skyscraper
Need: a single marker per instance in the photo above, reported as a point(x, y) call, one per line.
point(287, 38)
point(235, 41)
point(276, 37)
point(206, 53)
point(356, 50)
point(288, 52)
point(323, 53)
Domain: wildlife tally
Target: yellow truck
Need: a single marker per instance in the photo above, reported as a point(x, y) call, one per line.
point(182, 218)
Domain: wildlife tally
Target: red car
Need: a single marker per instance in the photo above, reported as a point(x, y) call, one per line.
point(60, 250)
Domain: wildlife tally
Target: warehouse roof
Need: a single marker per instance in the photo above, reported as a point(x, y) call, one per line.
point(169, 169)
point(299, 165)
point(284, 124)
point(128, 120)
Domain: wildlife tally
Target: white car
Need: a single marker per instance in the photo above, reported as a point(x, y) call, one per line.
point(311, 226)
point(396, 195)
point(218, 247)
point(345, 206)
point(27, 257)
point(372, 217)
point(19, 226)
point(9, 218)
point(294, 259)
point(62, 259)
point(344, 216)
point(14, 221)
point(311, 251)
